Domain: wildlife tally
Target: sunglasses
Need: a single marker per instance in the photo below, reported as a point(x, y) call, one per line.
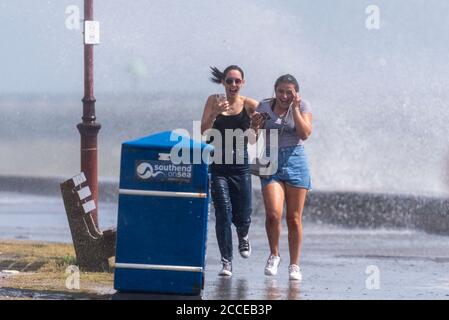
point(233, 80)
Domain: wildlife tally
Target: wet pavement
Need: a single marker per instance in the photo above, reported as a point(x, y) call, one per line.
point(337, 263)
point(340, 264)
point(41, 218)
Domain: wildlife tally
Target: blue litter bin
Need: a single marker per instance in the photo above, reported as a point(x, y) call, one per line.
point(162, 217)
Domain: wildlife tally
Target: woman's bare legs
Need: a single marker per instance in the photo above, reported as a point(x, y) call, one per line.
point(295, 198)
point(274, 195)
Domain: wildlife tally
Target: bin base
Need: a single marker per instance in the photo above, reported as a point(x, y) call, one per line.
point(152, 296)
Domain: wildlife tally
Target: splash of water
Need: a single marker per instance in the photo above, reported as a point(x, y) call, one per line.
point(374, 94)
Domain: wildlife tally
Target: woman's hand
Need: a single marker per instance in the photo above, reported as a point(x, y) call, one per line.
point(212, 109)
point(257, 121)
point(303, 122)
point(220, 106)
point(296, 102)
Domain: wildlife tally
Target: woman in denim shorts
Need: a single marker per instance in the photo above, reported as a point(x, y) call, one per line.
point(292, 117)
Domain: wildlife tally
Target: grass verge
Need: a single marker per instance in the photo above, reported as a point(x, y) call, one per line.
point(43, 272)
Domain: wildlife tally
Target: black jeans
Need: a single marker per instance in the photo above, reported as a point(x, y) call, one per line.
point(231, 195)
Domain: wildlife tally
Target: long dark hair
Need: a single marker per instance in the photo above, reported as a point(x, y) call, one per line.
point(218, 76)
point(287, 78)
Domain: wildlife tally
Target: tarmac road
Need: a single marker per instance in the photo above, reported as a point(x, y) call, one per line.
point(337, 263)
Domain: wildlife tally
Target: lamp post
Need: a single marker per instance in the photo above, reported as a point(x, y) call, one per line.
point(89, 128)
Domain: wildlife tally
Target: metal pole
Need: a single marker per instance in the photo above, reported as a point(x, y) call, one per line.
point(89, 128)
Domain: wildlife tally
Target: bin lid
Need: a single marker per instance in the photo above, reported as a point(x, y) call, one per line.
point(165, 140)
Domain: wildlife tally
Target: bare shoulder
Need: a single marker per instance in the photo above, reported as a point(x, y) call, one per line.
point(250, 103)
point(211, 100)
point(212, 97)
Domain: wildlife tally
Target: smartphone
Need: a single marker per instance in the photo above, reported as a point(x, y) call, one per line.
point(265, 115)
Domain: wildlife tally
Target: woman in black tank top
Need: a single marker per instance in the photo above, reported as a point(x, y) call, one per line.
point(238, 123)
point(226, 118)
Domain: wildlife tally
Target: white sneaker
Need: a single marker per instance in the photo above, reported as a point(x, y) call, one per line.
point(226, 269)
point(271, 268)
point(294, 272)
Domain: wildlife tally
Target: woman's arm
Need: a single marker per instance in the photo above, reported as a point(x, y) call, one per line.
point(250, 105)
point(303, 121)
point(257, 120)
point(211, 110)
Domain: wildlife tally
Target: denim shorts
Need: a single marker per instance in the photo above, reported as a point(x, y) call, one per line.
point(293, 168)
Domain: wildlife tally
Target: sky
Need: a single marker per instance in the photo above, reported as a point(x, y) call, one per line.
point(169, 45)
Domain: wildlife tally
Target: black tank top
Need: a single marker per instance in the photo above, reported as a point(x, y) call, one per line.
point(235, 125)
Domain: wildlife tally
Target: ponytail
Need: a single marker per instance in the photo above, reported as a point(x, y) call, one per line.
point(218, 76)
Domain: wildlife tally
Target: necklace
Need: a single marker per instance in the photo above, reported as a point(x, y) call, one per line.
point(282, 119)
point(282, 115)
